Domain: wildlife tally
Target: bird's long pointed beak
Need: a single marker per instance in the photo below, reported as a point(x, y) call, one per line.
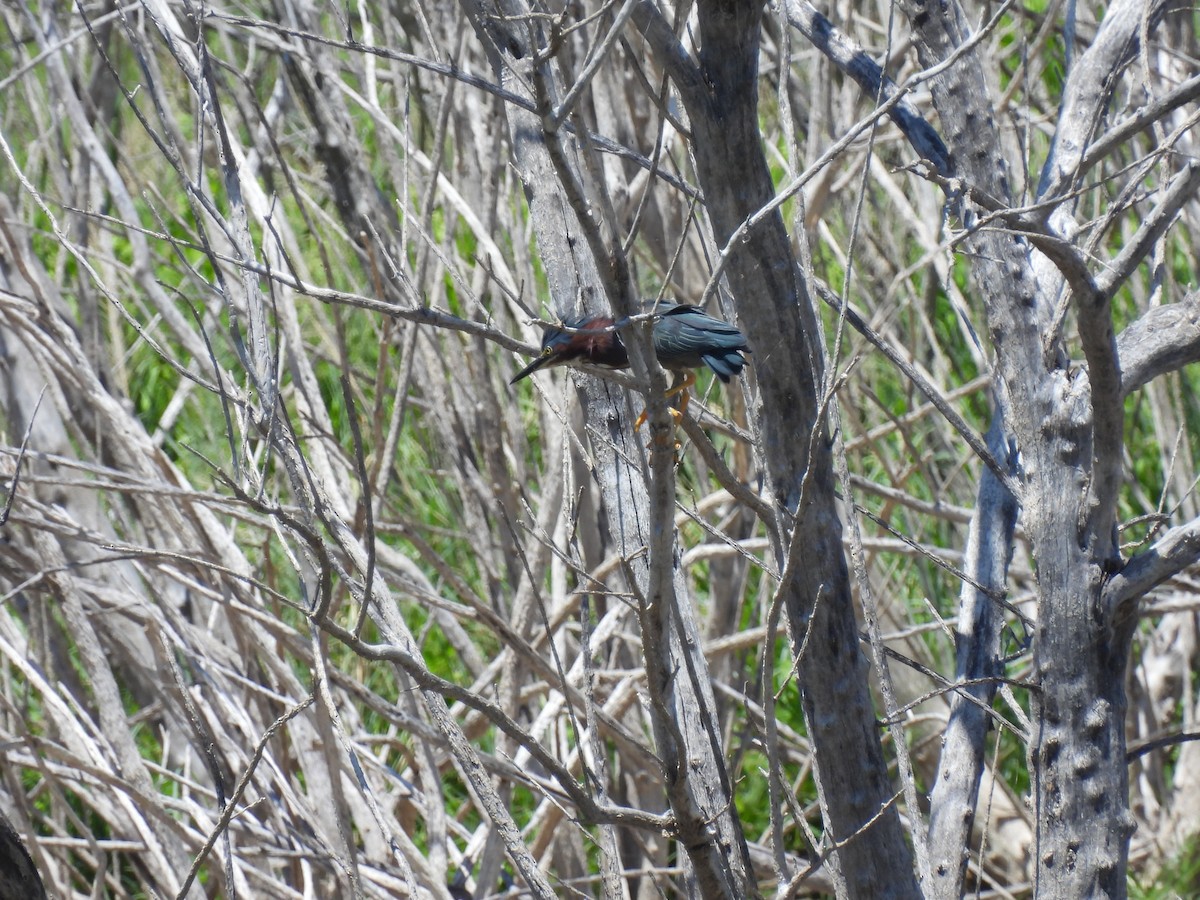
point(540, 361)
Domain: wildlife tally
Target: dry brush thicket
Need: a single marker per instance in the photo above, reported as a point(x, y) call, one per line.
point(301, 598)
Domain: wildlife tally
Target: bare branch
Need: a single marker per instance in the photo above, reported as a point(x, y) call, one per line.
point(1162, 340)
point(1170, 555)
point(1181, 190)
point(854, 61)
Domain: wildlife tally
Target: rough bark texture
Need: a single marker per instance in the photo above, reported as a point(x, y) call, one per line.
point(302, 596)
point(778, 317)
point(637, 499)
point(19, 879)
point(1067, 427)
point(955, 794)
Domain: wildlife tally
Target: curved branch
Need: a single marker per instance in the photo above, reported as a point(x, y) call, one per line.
point(1181, 189)
point(668, 52)
point(1093, 301)
point(855, 62)
point(1178, 549)
point(1139, 121)
point(1089, 87)
point(1163, 340)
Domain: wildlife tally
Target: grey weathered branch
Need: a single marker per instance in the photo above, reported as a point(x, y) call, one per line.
point(955, 793)
point(1181, 190)
point(1090, 85)
point(1170, 555)
point(588, 269)
point(1161, 340)
point(1071, 440)
point(854, 61)
point(720, 92)
point(1145, 117)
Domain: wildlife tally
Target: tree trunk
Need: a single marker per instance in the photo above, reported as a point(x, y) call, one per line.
point(637, 500)
point(778, 317)
point(1068, 428)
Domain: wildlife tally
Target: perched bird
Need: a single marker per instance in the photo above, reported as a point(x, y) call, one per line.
point(685, 338)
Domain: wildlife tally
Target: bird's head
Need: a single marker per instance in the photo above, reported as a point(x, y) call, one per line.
point(588, 340)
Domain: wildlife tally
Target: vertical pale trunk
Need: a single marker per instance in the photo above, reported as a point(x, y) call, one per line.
point(638, 500)
point(1067, 425)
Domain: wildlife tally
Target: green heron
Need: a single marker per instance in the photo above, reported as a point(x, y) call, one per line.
point(685, 338)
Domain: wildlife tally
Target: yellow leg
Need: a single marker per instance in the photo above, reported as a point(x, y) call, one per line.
point(680, 387)
point(684, 396)
point(676, 414)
